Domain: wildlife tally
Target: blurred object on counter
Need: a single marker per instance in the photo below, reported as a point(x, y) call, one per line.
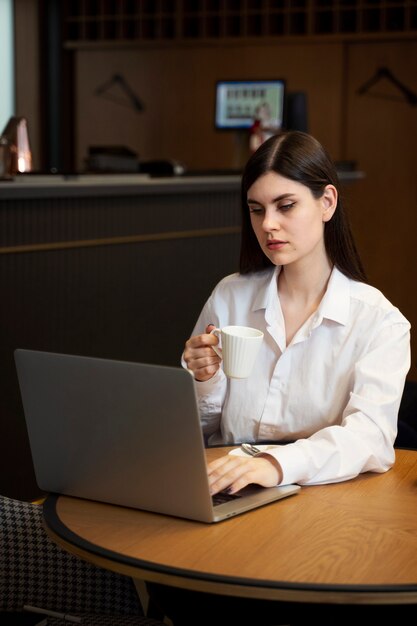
point(5, 159)
point(162, 167)
point(118, 159)
point(17, 136)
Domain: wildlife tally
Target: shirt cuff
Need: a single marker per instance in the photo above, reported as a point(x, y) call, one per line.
point(293, 462)
point(204, 387)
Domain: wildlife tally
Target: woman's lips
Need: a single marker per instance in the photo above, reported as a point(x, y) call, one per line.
point(275, 244)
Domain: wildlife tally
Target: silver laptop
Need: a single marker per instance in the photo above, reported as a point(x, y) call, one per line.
point(123, 433)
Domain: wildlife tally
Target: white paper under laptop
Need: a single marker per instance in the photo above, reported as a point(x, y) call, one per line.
point(123, 433)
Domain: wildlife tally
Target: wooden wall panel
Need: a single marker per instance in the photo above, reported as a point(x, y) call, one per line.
point(177, 88)
point(382, 135)
point(27, 72)
point(379, 133)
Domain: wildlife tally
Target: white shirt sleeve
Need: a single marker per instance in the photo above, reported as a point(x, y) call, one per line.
point(210, 393)
point(364, 440)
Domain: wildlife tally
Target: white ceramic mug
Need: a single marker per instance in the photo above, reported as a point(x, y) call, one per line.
point(240, 347)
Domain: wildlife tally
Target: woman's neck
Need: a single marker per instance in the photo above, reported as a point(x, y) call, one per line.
point(306, 284)
point(300, 294)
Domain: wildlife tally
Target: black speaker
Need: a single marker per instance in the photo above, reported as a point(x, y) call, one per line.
point(296, 111)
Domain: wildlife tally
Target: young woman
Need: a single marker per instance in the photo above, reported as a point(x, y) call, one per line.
point(328, 381)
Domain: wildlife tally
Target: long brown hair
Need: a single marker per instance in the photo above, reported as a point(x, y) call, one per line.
point(300, 157)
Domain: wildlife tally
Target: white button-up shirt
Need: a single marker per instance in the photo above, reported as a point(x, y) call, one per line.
point(334, 391)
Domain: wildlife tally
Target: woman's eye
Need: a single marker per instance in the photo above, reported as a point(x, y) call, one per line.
point(286, 207)
point(255, 209)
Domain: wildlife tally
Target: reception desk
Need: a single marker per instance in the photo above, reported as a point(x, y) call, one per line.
point(116, 266)
point(30, 186)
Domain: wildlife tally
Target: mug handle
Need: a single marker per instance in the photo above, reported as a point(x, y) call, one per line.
point(216, 331)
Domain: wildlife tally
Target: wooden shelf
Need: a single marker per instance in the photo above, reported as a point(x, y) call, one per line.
point(194, 20)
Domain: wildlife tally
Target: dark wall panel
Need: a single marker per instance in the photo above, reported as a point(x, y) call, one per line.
point(131, 301)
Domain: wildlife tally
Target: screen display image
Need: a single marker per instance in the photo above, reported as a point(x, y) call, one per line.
point(239, 103)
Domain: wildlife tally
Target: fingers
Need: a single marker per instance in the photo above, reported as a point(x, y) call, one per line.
point(233, 473)
point(200, 357)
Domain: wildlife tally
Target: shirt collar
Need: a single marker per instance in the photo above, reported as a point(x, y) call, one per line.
point(336, 301)
point(266, 289)
point(334, 305)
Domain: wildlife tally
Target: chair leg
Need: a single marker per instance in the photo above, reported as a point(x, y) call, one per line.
point(149, 608)
point(155, 612)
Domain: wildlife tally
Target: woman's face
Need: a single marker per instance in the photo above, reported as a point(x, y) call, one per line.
point(287, 220)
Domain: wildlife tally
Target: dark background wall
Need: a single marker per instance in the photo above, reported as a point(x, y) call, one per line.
point(111, 275)
point(324, 52)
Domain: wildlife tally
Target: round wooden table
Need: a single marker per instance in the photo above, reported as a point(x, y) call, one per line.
point(353, 542)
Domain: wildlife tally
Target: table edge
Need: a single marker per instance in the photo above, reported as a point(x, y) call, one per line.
point(225, 585)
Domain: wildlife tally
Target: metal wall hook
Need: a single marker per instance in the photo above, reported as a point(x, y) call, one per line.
point(120, 81)
point(385, 73)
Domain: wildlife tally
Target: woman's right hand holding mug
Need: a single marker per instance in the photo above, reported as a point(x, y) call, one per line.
point(200, 357)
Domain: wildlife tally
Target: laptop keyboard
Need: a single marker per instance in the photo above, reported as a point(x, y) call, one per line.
point(223, 496)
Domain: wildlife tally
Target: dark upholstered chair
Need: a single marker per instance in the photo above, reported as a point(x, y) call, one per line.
point(407, 417)
point(35, 571)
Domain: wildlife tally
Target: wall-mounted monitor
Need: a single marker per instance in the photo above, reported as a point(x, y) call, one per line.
point(240, 102)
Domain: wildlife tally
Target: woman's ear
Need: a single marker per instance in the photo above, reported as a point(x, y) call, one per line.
point(329, 202)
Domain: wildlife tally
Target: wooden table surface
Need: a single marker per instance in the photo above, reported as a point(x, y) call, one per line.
point(352, 542)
